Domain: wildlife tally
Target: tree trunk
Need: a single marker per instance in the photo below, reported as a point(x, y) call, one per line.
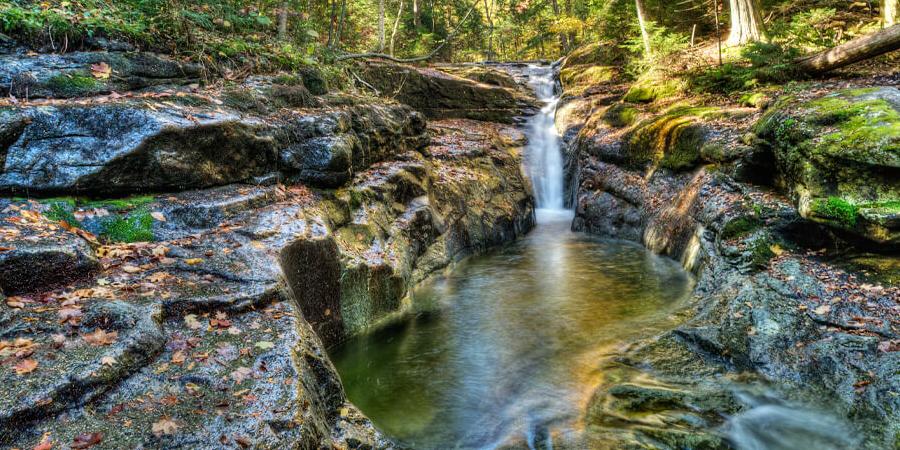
point(859, 49)
point(417, 22)
point(488, 7)
point(642, 22)
point(746, 22)
point(380, 25)
point(340, 28)
point(562, 36)
point(396, 26)
point(891, 12)
point(283, 20)
point(332, 23)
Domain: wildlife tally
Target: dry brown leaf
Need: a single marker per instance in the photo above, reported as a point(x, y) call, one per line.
point(101, 337)
point(25, 366)
point(165, 426)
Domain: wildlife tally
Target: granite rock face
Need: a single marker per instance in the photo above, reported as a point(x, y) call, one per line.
point(769, 303)
point(441, 95)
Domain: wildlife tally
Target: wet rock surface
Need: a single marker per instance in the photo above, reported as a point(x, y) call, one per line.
point(153, 144)
point(198, 316)
point(773, 305)
point(441, 95)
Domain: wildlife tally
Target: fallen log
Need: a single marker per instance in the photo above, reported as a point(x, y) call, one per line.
point(859, 49)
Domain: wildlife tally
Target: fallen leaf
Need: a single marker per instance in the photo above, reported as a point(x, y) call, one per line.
point(131, 269)
point(193, 261)
point(158, 216)
point(164, 426)
point(45, 444)
point(240, 374)
point(101, 337)
point(86, 440)
point(191, 322)
point(107, 360)
point(101, 70)
point(178, 357)
point(823, 310)
point(25, 366)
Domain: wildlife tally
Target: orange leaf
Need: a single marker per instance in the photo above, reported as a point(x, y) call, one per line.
point(25, 366)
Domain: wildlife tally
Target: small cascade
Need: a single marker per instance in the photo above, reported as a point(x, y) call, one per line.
point(543, 158)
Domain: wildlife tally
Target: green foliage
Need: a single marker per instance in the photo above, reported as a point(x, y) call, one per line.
point(129, 220)
point(762, 63)
point(810, 30)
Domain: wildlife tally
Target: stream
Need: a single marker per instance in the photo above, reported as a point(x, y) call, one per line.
point(506, 348)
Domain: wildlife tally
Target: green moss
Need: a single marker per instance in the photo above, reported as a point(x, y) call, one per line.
point(754, 99)
point(672, 140)
point(578, 79)
point(62, 211)
point(134, 227)
point(119, 203)
point(740, 227)
point(653, 87)
point(75, 84)
point(836, 209)
point(761, 251)
point(620, 115)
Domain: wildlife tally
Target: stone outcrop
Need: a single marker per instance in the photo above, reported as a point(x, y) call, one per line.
point(441, 95)
point(150, 144)
point(684, 182)
point(200, 318)
point(838, 157)
point(83, 74)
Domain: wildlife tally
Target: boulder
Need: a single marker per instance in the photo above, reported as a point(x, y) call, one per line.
point(36, 252)
point(139, 145)
point(838, 157)
point(133, 146)
point(81, 74)
point(441, 95)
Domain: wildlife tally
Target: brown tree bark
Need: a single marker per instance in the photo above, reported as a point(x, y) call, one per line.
point(380, 25)
point(857, 50)
point(283, 20)
point(746, 22)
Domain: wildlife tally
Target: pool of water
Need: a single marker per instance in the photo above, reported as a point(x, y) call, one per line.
point(507, 347)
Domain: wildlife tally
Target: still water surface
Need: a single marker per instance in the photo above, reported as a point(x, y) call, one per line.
point(508, 345)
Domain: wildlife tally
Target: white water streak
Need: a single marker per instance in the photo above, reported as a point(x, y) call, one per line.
point(544, 158)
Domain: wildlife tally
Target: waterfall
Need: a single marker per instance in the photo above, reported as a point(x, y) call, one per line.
point(543, 157)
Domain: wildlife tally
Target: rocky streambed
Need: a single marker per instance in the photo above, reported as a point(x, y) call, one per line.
point(264, 223)
point(272, 219)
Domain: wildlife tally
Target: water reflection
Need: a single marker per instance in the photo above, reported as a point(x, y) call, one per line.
point(508, 344)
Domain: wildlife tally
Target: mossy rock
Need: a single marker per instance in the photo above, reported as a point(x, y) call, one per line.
point(838, 155)
point(672, 140)
point(484, 75)
point(653, 87)
point(598, 53)
point(314, 80)
point(578, 79)
point(621, 115)
point(76, 84)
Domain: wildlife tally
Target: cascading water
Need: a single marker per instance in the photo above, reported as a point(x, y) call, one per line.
point(543, 156)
